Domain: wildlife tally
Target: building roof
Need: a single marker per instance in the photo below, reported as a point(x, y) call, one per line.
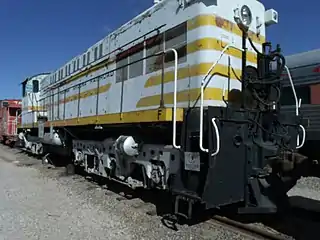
point(303, 59)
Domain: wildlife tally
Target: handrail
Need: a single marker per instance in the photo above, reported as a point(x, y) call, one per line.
point(204, 83)
point(297, 106)
point(303, 137)
point(293, 90)
point(174, 135)
point(213, 120)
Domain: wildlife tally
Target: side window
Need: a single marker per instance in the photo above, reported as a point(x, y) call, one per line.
point(84, 60)
point(130, 61)
point(122, 70)
point(88, 58)
point(74, 66)
point(176, 38)
point(100, 50)
point(154, 45)
point(78, 64)
point(66, 71)
point(35, 86)
point(95, 53)
point(136, 68)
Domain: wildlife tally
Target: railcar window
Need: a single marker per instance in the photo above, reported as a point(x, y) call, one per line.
point(122, 70)
point(100, 50)
point(74, 66)
point(176, 38)
point(13, 111)
point(88, 58)
point(95, 53)
point(84, 60)
point(78, 64)
point(303, 92)
point(154, 45)
point(35, 86)
point(136, 69)
point(66, 71)
point(69, 69)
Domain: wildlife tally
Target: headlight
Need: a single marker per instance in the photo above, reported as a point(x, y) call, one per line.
point(243, 17)
point(246, 15)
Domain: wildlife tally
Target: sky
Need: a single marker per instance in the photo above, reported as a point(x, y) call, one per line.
point(39, 36)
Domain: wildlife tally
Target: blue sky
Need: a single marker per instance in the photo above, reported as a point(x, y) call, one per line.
point(40, 35)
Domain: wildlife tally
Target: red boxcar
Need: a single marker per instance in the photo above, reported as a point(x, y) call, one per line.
point(10, 117)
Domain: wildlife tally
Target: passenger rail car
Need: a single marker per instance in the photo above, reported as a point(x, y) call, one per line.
point(186, 106)
point(305, 72)
point(10, 110)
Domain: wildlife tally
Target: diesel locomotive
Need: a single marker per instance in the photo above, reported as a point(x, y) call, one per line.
point(184, 98)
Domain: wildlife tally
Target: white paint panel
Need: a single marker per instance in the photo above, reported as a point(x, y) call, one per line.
point(168, 13)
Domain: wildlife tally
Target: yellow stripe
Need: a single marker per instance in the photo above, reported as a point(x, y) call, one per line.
point(212, 20)
point(88, 93)
point(194, 71)
point(183, 96)
point(83, 95)
point(201, 20)
point(90, 70)
point(218, 45)
point(33, 108)
point(155, 115)
point(29, 125)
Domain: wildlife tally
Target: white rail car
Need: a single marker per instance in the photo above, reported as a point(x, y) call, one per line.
point(159, 103)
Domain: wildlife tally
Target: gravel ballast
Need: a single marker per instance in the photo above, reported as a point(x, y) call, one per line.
point(41, 203)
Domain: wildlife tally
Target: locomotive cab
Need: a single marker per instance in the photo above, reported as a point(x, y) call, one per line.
point(31, 112)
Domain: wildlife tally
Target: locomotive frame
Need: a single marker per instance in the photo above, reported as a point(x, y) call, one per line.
point(185, 140)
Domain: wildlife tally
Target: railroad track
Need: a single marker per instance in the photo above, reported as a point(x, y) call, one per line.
point(252, 232)
point(297, 223)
